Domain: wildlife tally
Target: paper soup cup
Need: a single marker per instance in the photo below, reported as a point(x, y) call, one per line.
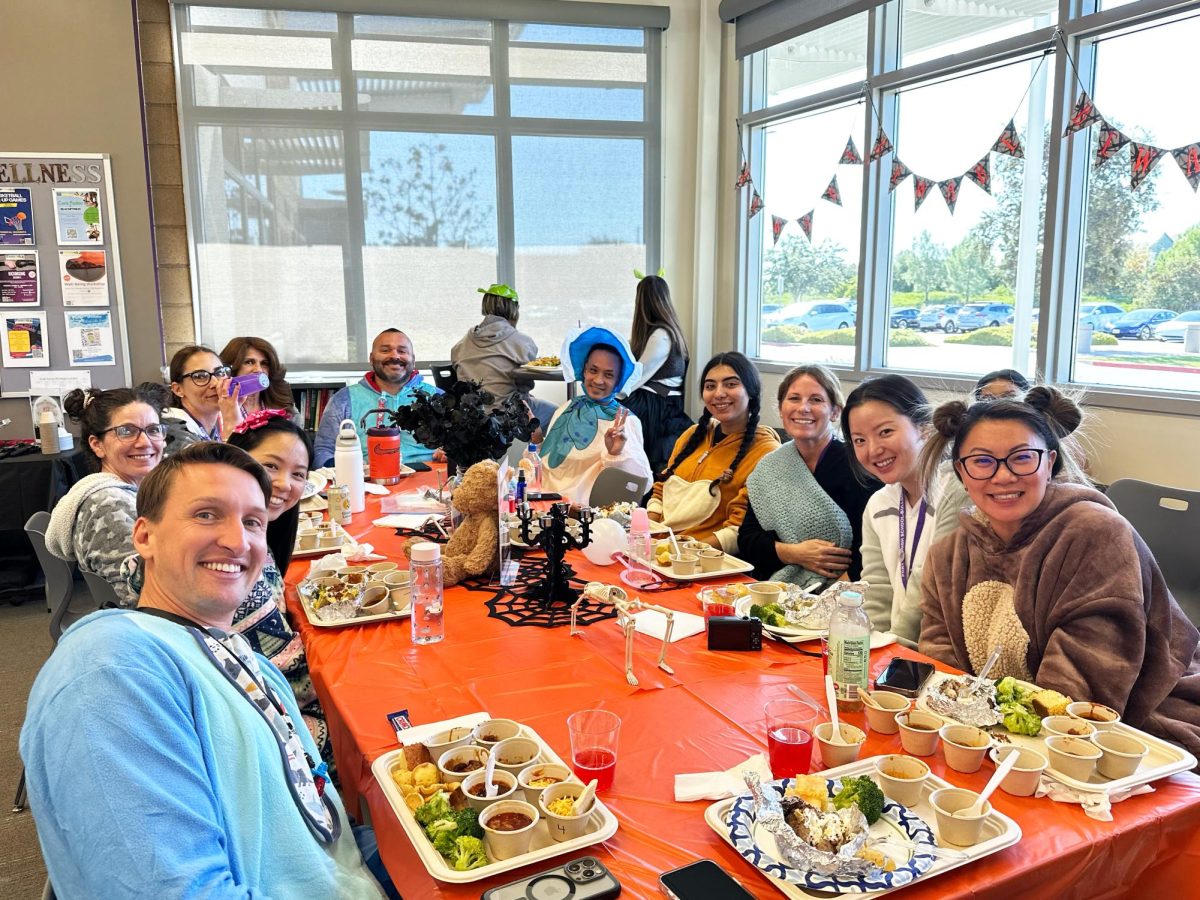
point(515, 753)
point(1022, 780)
point(1122, 754)
point(453, 764)
point(451, 739)
point(833, 755)
point(1068, 726)
point(685, 563)
point(711, 560)
point(542, 771)
point(375, 600)
point(382, 568)
point(1073, 757)
point(958, 830)
point(505, 844)
point(919, 732)
point(902, 778)
point(1099, 716)
point(765, 592)
point(564, 828)
point(492, 731)
point(964, 747)
point(881, 708)
point(506, 781)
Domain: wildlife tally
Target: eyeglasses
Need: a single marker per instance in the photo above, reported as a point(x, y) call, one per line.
point(981, 466)
point(129, 433)
point(201, 377)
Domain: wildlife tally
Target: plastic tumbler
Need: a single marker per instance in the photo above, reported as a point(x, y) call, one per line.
point(790, 724)
point(594, 734)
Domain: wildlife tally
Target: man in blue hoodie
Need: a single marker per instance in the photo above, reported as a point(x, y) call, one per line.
point(394, 379)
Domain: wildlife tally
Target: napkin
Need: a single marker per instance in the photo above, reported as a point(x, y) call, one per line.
point(1096, 804)
point(412, 521)
point(652, 623)
point(719, 785)
point(372, 488)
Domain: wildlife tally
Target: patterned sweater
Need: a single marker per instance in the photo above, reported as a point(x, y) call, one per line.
point(93, 526)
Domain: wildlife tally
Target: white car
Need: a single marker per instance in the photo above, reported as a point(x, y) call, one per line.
point(1176, 329)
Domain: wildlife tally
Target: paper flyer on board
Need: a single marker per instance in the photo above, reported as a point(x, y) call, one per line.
point(16, 216)
point(90, 338)
point(77, 218)
point(24, 341)
point(19, 283)
point(84, 276)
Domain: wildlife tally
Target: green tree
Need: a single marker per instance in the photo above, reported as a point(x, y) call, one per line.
point(806, 270)
point(1174, 281)
point(420, 201)
point(924, 266)
point(969, 267)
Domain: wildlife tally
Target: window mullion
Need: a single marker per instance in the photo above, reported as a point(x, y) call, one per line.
point(356, 297)
point(505, 203)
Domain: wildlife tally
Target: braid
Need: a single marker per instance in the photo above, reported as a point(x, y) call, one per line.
point(694, 441)
point(744, 447)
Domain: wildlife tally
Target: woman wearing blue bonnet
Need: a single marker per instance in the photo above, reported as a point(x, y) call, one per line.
point(593, 431)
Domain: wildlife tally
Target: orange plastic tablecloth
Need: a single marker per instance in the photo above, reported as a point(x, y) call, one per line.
point(706, 717)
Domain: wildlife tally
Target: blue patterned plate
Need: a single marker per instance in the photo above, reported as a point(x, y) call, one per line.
point(897, 823)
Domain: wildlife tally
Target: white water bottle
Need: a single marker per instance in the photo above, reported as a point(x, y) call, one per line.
point(535, 467)
point(849, 650)
point(425, 580)
point(348, 464)
point(639, 536)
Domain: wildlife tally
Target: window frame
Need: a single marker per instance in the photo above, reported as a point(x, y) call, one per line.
point(352, 124)
point(1066, 190)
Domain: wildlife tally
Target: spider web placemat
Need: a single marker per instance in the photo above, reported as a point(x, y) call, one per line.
point(515, 605)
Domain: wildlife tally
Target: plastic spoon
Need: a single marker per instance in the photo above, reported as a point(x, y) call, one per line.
point(987, 667)
point(835, 734)
point(674, 542)
point(491, 789)
point(976, 808)
point(584, 803)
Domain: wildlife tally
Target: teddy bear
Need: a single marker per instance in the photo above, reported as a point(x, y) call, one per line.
point(474, 548)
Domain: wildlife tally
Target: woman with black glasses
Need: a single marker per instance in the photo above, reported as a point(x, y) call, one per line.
point(1052, 575)
point(93, 524)
point(204, 409)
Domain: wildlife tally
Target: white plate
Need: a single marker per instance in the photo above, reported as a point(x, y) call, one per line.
point(602, 824)
point(999, 831)
point(1163, 759)
point(791, 633)
point(314, 485)
point(543, 370)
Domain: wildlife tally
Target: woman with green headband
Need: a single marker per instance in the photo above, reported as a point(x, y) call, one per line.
point(493, 351)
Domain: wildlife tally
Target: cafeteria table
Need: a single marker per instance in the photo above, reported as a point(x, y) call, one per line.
point(706, 717)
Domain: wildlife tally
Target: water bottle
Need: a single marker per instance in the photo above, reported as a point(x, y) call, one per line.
point(849, 650)
point(519, 490)
point(348, 464)
point(535, 466)
point(639, 536)
point(425, 578)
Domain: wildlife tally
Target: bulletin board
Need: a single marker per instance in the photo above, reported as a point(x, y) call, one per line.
point(62, 307)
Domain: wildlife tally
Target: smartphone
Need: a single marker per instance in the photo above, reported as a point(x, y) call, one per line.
point(904, 677)
point(581, 879)
point(418, 466)
point(703, 880)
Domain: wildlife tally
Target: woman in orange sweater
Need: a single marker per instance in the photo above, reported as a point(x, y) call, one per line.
point(703, 490)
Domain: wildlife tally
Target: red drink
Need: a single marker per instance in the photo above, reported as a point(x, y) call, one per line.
point(599, 764)
point(790, 750)
point(718, 609)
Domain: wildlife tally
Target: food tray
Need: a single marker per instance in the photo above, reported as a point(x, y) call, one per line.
point(317, 622)
point(1164, 758)
point(999, 832)
point(731, 566)
point(348, 543)
point(602, 823)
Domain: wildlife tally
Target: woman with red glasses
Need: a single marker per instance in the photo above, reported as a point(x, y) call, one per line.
point(1053, 575)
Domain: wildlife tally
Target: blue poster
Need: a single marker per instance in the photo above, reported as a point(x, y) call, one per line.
point(16, 216)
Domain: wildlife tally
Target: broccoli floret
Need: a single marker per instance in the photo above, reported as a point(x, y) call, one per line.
point(446, 825)
point(444, 844)
point(863, 793)
point(436, 807)
point(1020, 720)
point(468, 854)
point(468, 823)
point(1008, 691)
point(771, 614)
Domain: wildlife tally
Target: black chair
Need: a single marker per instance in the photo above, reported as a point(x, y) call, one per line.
point(444, 376)
point(614, 485)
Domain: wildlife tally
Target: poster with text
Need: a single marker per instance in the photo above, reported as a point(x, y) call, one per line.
point(77, 217)
point(90, 339)
point(19, 283)
point(24, 341)
point(84, 276)
point(16, 216)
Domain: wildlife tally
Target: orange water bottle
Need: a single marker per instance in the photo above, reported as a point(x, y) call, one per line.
point(383, 447)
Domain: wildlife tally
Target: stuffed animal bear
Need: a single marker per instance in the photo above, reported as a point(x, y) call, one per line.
point(474, 548)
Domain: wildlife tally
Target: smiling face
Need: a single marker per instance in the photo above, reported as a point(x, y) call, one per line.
point(207, 548)
point(392, 358)
point(600, 373)
point(807, 412)
point(1006, 499)
point(201, 402)
point(254, 360)
point(285, 458)
point(131, 461)
point(886, 442)
point(726, 398)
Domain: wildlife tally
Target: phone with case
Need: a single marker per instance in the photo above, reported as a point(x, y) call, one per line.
point(581, 879)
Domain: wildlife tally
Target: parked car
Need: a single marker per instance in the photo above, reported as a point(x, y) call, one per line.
point(819, 316)
point(905, 318)
point(1099, 315)
point(943, 317)
point(983, 315)
point(1140, 323)
point(1176, 329)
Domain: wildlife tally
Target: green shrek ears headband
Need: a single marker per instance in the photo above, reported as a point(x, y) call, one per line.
point(639, 275)
point(500, 290)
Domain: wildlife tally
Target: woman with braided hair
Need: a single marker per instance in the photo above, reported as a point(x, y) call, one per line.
point(1051, 574)
point(703, 490)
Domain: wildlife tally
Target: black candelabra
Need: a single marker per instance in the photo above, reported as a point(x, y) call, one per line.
point(556, 539)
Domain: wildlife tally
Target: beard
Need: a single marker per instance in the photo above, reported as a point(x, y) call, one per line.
point(382, 374)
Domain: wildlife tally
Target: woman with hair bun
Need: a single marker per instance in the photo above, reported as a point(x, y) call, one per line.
point(1053, 575)
point(703, 490)
point(93, 524)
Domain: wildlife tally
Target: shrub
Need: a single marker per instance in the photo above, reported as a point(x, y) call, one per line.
point(783, 334)
point(842, 337)
point(1100, 339)
point(984, 337)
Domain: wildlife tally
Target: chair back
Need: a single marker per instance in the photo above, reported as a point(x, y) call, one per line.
point(615, 485)
point(515, 451)
point(101, 590)
point(1168, 519)
point(444, 376)
point(60, 579)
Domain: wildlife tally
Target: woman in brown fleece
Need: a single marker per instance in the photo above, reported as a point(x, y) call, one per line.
point(1053, 574)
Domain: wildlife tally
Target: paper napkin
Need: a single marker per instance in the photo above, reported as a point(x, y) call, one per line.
point(652, 623)
point(719, 785)
point(1096, 804)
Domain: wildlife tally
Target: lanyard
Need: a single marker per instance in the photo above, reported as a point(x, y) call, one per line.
point(906, 565)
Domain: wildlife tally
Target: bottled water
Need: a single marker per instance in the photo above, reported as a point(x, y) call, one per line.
point(425, 570)
point(535, 467)
point(849, 650)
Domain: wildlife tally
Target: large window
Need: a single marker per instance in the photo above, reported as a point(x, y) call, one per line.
point(1063, 269)
point(352, 172)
